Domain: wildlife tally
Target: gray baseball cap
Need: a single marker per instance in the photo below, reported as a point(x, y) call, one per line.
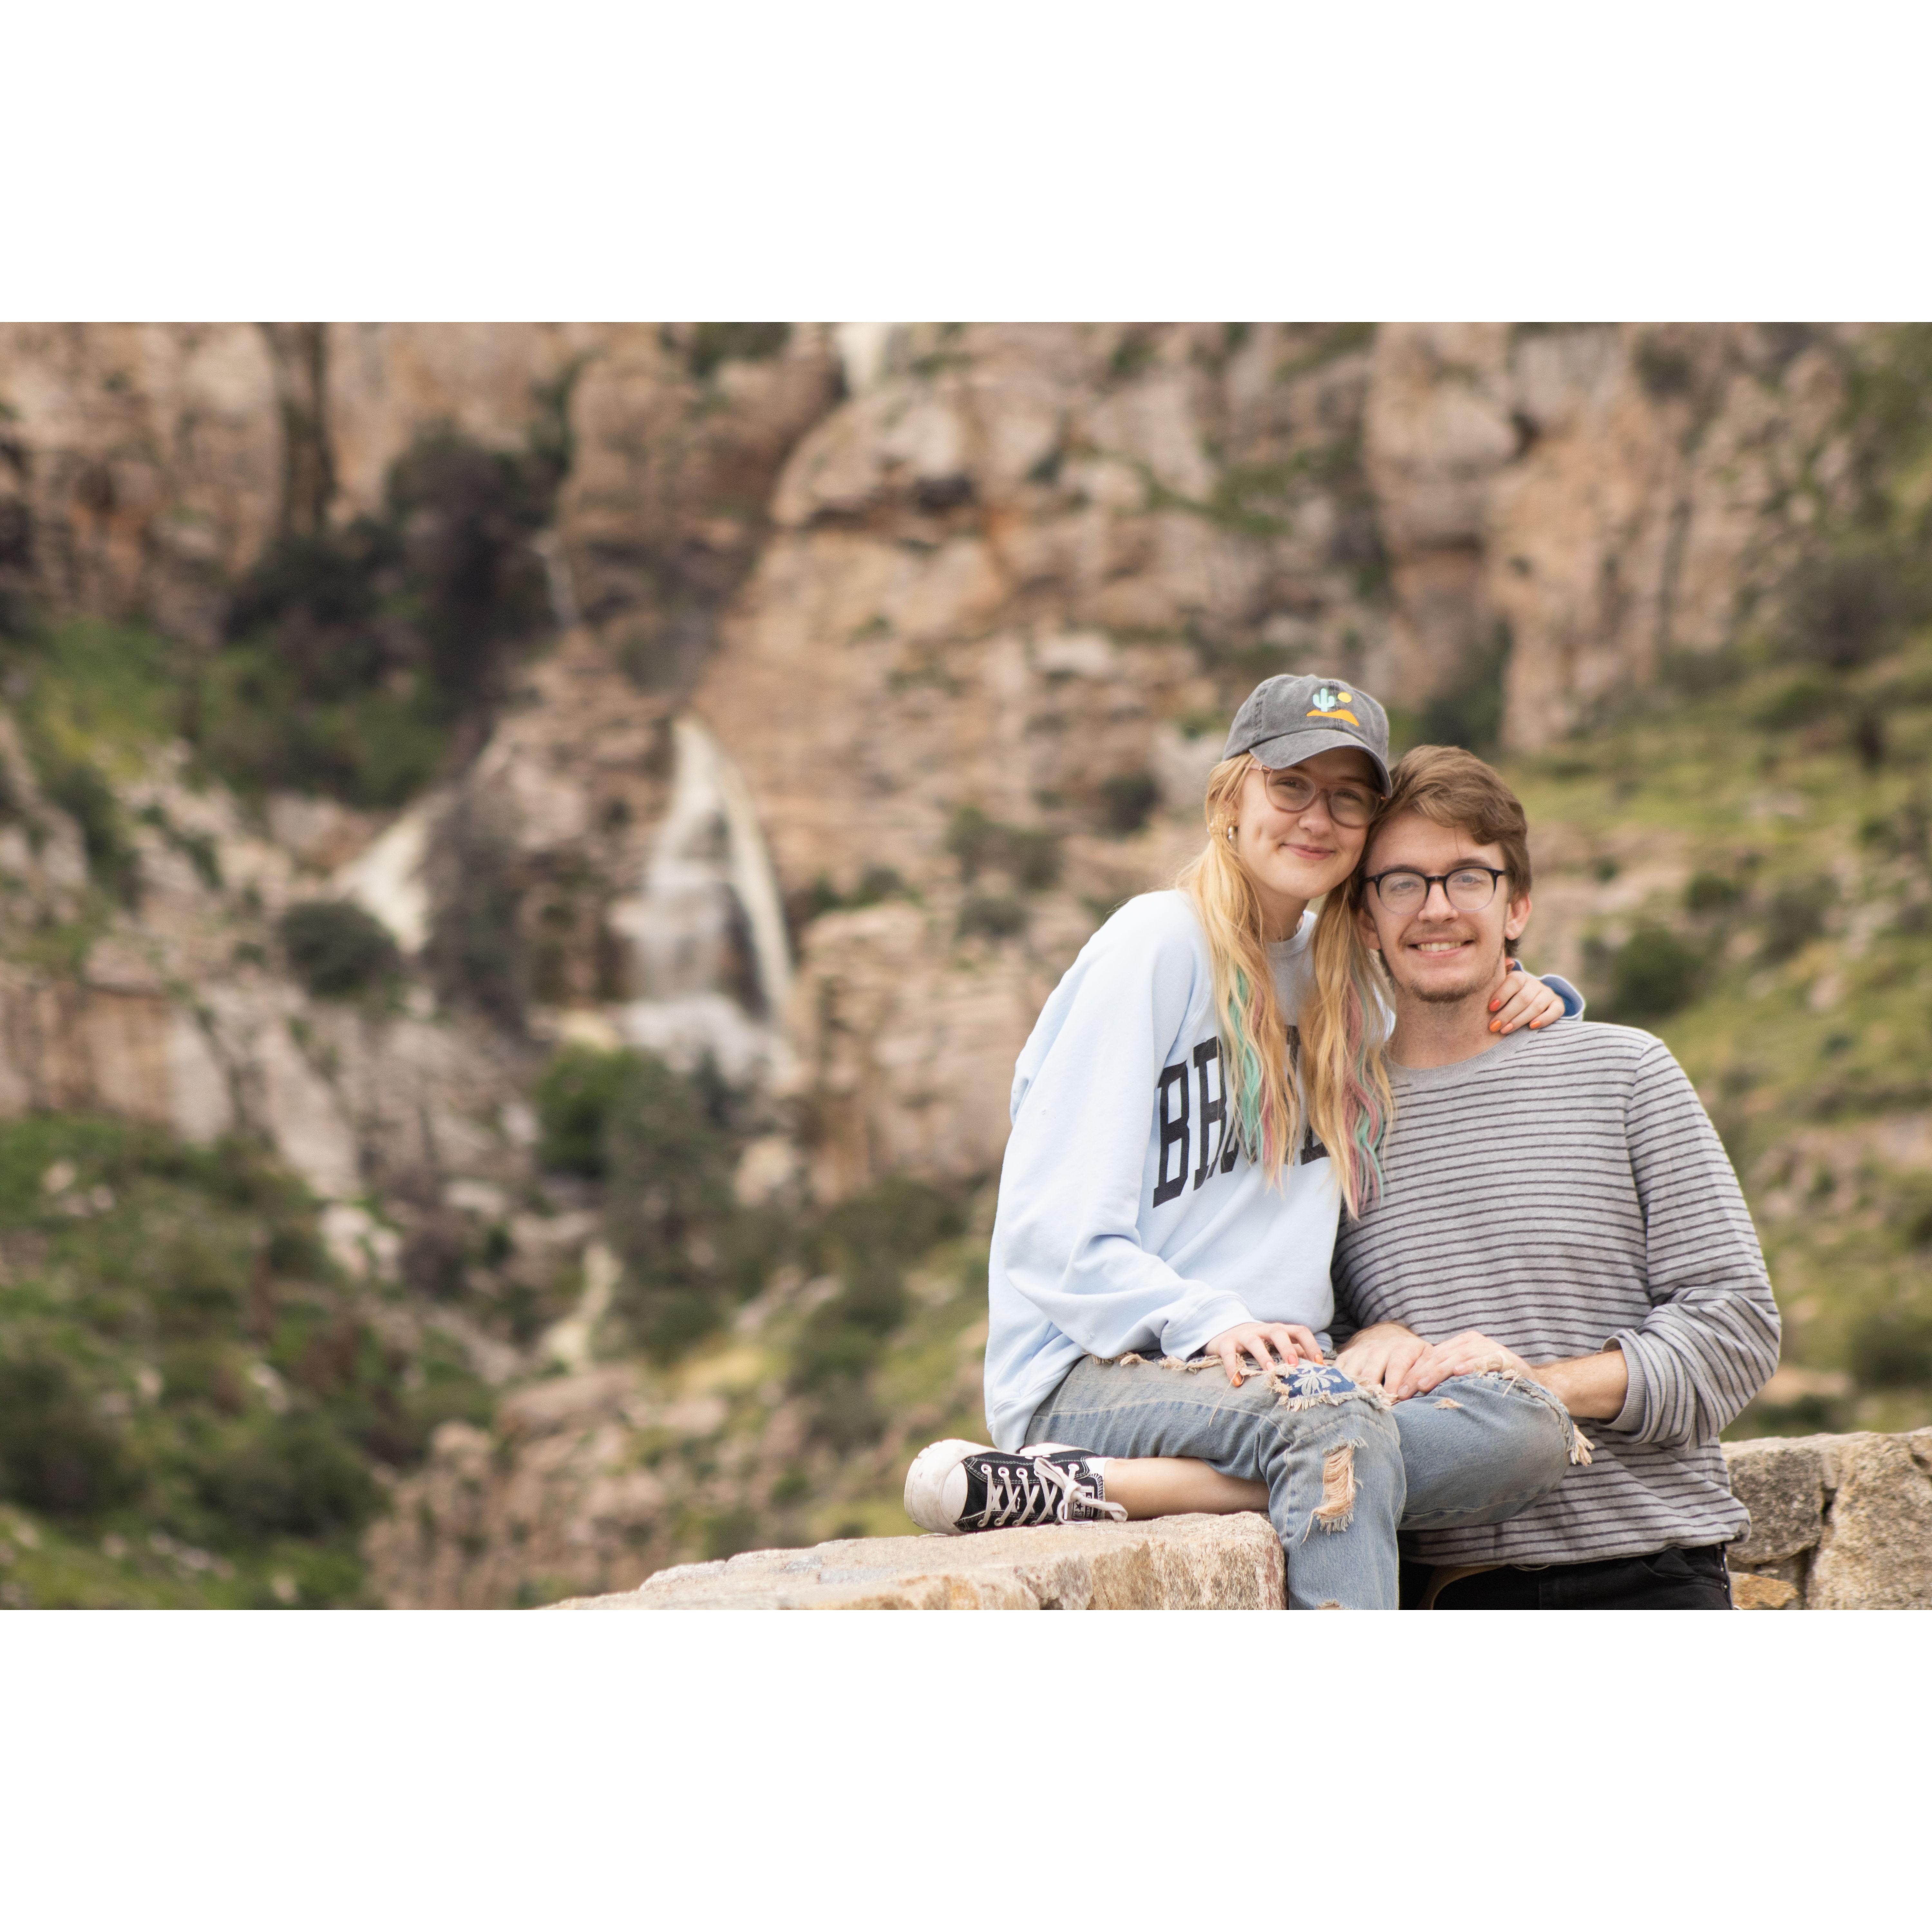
point(1290, 718)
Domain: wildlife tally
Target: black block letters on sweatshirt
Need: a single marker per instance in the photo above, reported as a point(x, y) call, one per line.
point(1181, 1120)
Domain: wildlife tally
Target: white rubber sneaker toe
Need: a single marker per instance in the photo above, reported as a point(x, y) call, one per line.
point(935, 1485)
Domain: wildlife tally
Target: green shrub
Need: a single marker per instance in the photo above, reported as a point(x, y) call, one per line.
point(1712, 892)
point(729, 1532)
point(435, 1257)
point(1910, 1212)
point(292, 1476)
point(1030, 855)
point(1665, 372)
point(133, 1341)
point(877, 883)
point(1133, 353)
point(669, 1163)
point(1844, 610)
point(1653, 974)
point(464, 516)
point(574, 1097)
point(374, 748)
point(1892, 1347)
point(449, 1394)
point(1033, 856)
point(1795, 915)
point(56, 1454)
point(868, 1241)
point(1126, 799)
point(80, 791)
point(899, 1218)
point(477, 953)
point(353, 654)
point(1807, 699)
point(294, 1249)
point(198, 1278)
point(714, 343)
point(1469, 711)
point(991, 918)
point(974, 840)
point(337, 949)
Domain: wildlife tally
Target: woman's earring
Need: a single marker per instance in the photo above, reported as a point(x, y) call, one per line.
point(1230, 835)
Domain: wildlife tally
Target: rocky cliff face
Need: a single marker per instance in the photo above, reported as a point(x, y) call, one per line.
point(1028, 573)
point(969, 635)
point(881, 664)
point(145, 468)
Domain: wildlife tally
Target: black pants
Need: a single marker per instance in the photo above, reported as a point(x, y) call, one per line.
point(1665, 1580)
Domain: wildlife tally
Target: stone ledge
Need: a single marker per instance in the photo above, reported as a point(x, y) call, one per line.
point(1175, 1563)
point(1837, 1523)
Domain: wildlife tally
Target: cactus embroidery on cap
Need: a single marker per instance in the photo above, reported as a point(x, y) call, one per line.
point(1331, 701)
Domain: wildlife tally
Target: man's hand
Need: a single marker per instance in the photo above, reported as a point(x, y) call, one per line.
point(1381, 1355)
point(1253, 1338)
point(1468, 1354)
point(1593, 1388)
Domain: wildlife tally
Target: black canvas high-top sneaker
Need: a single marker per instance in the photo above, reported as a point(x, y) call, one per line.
point(954, 1487)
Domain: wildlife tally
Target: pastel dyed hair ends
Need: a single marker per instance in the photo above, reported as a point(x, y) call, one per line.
point(1342, 1090)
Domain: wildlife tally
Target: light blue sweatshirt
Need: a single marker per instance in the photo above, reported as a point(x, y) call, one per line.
point(1114, 1234)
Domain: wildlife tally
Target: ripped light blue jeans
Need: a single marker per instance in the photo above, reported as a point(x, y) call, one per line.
point(1343, 1469)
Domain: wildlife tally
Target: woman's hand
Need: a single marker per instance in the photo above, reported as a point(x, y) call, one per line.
point(1523, 999)
point(1253, 1338)
point(1381, 1355)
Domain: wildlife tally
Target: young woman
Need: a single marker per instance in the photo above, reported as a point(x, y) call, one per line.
point(1202, 1094)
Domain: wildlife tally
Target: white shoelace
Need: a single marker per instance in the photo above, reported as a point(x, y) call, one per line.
point(1012, 1501)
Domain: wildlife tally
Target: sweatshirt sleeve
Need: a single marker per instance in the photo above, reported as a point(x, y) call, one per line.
point(1572, 1001)
point(1710, 1341)
point(1067, 1237)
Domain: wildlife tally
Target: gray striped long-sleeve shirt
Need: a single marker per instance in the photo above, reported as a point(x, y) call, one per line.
point(1563, 1192)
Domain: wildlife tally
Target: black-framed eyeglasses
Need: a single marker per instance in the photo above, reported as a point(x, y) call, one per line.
point(1467, 889)
point(1350, 803)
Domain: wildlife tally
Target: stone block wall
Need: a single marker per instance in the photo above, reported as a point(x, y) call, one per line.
point(1838, 1523)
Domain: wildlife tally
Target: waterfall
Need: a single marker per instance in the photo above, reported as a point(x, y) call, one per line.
point(564, 612)
point(865, 351)
point(386, 879)
point(707, 925)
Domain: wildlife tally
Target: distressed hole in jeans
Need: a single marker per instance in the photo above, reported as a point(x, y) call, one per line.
point(1329, 1605)
point(1338, 1489)
point(1446, 1403)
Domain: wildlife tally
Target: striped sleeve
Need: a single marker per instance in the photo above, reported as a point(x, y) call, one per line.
point(1710, 1340)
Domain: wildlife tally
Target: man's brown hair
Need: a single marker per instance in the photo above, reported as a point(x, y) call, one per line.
point(1453, 788)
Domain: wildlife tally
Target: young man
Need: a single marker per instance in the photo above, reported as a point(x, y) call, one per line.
point(1556, 1205)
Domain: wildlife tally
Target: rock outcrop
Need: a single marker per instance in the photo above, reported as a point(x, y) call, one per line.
point(966, 606)
point(1028, 572)
point(143, 469)
point(1176, 1563)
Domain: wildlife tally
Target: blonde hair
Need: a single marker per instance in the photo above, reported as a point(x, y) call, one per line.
point(1342, 1091)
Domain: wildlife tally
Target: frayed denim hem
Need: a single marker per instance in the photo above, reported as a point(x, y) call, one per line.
point(1306, 1385)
